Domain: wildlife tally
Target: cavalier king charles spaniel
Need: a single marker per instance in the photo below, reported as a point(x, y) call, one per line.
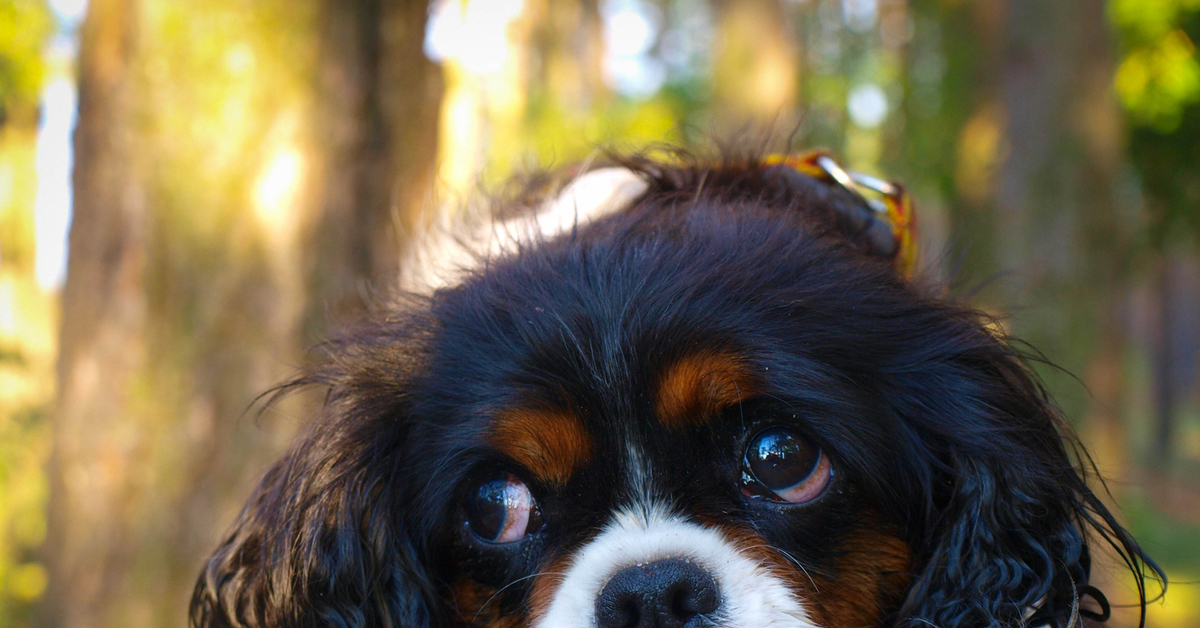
point(674, 394)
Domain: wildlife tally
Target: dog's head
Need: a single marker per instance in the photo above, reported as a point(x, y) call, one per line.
point(715, 403)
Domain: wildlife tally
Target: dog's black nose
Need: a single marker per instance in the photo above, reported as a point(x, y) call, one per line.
point(662, 594)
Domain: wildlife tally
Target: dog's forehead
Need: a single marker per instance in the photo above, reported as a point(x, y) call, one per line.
point(594, 345)
point(552, 433)
point(589, 387)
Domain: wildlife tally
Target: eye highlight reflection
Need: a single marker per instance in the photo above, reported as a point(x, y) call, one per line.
point(783, 466)
point(501, 509)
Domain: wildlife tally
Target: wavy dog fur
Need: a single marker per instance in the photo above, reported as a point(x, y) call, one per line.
point(941, 427)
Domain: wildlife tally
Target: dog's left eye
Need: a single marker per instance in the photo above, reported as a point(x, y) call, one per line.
point(501, 509)
point(784, 466)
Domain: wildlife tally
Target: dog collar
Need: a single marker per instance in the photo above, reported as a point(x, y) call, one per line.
point(888, 201)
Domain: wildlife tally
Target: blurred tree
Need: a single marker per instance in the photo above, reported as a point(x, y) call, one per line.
point(1158, 81)
point(755, 67)
point(102, 348)
point(552, 96)
point(567, 39)
point(1107, 231)
point(951, 145)
point(1056, 224)
point(243, 172)
point(1027, 166)
point(1039, 220)
point(379, 99)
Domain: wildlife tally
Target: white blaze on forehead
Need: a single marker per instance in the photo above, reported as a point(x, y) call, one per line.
point(750, 595)
point(448, 251)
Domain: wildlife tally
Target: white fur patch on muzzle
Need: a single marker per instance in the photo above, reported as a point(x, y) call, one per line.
point(750, 595)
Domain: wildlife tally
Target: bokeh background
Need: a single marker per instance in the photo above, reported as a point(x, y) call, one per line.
point(237, 176)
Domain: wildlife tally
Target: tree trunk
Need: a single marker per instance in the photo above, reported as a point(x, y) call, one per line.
point(1163, 359)
point(1057, 232)
point(1034, 97)
point(94, 461)
point(565, 47)
point(1097, 126)
point(191, 289)
point(379, 102)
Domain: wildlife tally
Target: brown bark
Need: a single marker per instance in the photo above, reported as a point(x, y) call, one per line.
point(1097, 127)
point(1057, 232)
point(95, 452)
point(381, 99)
point(1035, 99)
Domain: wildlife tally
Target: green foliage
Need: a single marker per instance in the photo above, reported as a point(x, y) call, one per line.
point(1158, 82)
point(1173, 542)
point(1169, 169)
point(25, 26)
point(24, 438)
point(28, 333)
point(1159, 74)
point(1144, 22)
point(941, 93)
point(18, 180)
point(27, 351)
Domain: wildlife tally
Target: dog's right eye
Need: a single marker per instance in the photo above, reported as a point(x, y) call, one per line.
point(501, 509)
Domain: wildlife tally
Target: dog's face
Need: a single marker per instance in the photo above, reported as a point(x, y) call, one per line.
point(629, 442)
point(712, 407)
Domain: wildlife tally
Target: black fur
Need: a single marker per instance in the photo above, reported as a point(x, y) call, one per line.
point(932, 418)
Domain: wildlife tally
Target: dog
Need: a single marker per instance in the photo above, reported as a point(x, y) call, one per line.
point(675, 393)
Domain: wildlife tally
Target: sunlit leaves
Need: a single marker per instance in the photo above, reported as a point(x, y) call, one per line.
point(1159, 75)
point(1146, 21)
point(28, 335)
point(25, 26)
point(1158, 81)
point(224, 88)
point(27, 313)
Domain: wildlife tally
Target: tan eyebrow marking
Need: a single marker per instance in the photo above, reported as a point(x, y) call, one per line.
point(693, 388)
point(549, 443)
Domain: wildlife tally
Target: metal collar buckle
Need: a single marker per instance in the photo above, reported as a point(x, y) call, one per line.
point(893, 205)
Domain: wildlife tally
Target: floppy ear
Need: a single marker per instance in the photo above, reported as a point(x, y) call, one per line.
point(317, 544)
point(322, 542)
point(1007, 543)
point(1005, 546)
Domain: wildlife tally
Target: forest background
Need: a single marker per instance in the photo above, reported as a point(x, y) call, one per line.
point(239, 176)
